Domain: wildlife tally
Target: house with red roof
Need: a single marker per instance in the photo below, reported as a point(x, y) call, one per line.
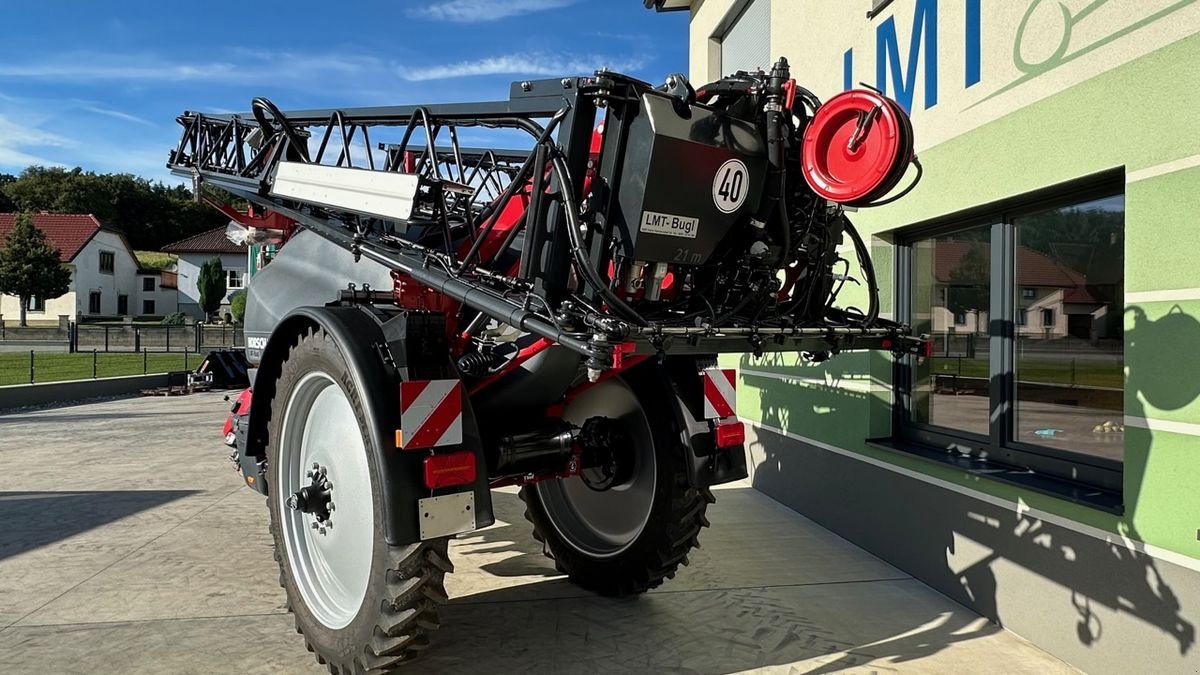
point(1053, 300)
point(198, 249)
point(106, 281)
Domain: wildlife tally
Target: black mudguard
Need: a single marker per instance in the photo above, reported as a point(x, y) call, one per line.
point(382, 350)
point(709, 465)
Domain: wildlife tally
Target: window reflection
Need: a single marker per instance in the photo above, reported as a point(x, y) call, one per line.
point(1069, 328)
point(951, 296)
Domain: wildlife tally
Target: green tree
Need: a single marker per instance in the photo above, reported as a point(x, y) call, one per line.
point(211, 284)
point(151, 214)
point(967, 290)
point(7, 205)
point(30, 266)
point(237, 306)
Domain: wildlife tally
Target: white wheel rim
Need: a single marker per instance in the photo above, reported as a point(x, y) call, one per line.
point(331, 570)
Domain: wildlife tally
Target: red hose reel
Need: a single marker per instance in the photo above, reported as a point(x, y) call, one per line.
point(857, 147)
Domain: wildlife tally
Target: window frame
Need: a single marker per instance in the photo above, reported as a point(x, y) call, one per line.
point(148, 307)
point(123, 303)
point(999, 448)
point(36, 304)
point(99, 296)
point(112, 262)
point(150, 283)
point(230, 275)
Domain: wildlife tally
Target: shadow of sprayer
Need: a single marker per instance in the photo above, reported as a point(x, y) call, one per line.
point(966, 547)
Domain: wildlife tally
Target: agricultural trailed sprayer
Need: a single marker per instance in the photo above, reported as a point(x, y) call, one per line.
point(443, 320)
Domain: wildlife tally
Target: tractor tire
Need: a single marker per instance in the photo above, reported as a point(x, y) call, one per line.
point(361, 605)
point(632, 536)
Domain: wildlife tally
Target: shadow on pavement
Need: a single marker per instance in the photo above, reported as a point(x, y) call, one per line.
point(549, 625)
point(36, 519)
point(955, 545)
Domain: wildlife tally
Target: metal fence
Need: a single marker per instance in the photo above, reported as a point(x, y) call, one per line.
point(33, 366)
point(75, 337)
point(196, 338)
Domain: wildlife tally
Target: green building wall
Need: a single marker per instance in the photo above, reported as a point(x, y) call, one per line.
point(1140, 117)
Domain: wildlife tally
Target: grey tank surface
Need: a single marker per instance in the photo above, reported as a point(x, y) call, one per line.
point(309, 271)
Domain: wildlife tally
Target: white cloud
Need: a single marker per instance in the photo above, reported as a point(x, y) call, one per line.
point(117, 114)
point(83, 68)
point(478, 11)
point(249, 67)
point(16, 140)
point(532, 63)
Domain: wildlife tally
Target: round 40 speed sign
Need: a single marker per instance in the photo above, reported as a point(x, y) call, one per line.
point(730, 185)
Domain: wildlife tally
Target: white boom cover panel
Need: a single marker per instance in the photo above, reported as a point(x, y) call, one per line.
point(384, 194)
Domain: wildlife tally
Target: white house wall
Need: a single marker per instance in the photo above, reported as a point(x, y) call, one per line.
point(88, 278)
point(166, 300)
point(85, 278)
point(64, 305)
point(189, 271)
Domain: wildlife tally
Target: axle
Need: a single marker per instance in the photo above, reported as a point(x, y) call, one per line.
point(557, 449)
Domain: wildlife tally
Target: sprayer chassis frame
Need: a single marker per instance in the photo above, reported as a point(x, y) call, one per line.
point(218, 150)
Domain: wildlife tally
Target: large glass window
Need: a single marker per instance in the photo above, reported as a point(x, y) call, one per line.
point(951, 301)
point(1069, 365)
point(1025, 311)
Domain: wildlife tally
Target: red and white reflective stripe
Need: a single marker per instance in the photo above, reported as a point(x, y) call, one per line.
point(431, 413)
point(720, 393)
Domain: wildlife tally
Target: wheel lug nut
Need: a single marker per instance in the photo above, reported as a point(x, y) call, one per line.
point(315, 525)
point(322, 530)
point(316, 466)
point(331, 507)
point(322, 471)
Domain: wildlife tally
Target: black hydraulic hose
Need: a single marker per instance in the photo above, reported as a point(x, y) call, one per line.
point(518, 182)
point(582, 264)
point(485, 301)
point(773, 120)
point(471, 295)
point(868, 268)
point(258, 105)
point(785, 224)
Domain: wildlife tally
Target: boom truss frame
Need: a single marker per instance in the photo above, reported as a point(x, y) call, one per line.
point(557, 292)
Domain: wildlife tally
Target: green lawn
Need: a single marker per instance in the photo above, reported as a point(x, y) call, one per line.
point(155, 260)
point(55, 366)
point(1082, 373)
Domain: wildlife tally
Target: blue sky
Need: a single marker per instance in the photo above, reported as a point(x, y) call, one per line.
point(99, 84)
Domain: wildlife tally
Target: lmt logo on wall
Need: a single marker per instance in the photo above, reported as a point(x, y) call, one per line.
point(1051, 28)
point(924, 38)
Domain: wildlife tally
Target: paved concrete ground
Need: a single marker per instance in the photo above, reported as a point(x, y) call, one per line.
point(129, 545)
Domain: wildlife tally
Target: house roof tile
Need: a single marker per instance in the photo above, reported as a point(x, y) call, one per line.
point(68, 232)
point(209, 241)
point(1034, 268)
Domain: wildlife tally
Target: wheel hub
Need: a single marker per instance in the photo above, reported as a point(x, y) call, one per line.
point(604, 509)
point(315, 499)
point(608, 455)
